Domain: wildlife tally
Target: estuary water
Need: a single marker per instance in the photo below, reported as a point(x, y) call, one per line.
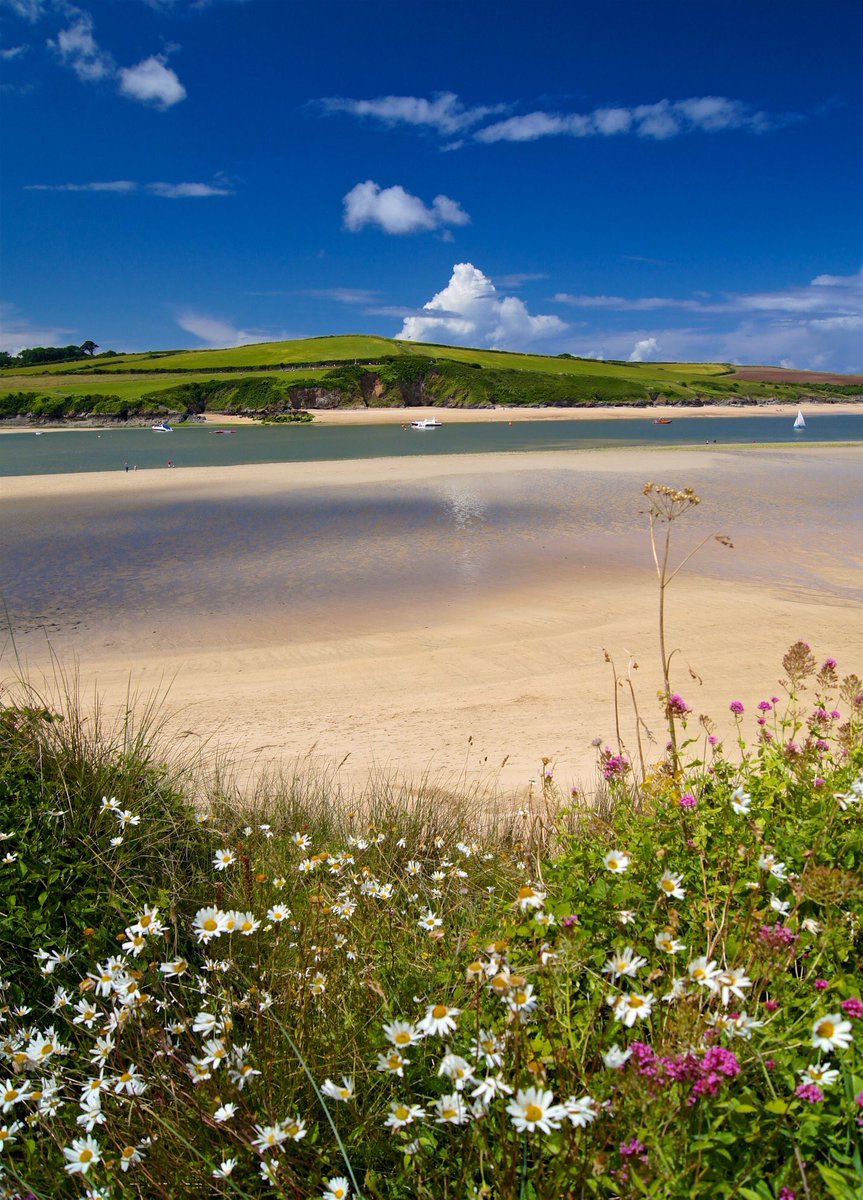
point(63, 451)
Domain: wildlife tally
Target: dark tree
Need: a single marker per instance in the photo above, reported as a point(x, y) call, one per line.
point(89, 347)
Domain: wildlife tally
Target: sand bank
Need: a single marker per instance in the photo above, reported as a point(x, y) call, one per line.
point(481, 682)
point(402, 416)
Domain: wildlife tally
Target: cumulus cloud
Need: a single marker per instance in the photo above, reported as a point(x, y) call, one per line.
point(169, 191)
point(76, 47)
point(471, 311)
point(396, 211)
point(7, 53)
point(152, 82)
point(645, 349)
point(445, 113)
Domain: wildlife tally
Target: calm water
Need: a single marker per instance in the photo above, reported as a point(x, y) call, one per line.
point(61, 451)
point(167, 569)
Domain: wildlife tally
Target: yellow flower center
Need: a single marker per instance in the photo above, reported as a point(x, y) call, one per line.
point(521, 997)
point(402, 1112)
point(613, 863)
point(403, 1038)
point(533, 1113)
point(127, 1152)
point(668, 885)
point(525, 893)
point(210, 924)
point(85, 1155)
point(439, 1011)
point(826, 1029)
point(450, 1112)
point(11, 1095)
point(635, 1001)
point(500, 983)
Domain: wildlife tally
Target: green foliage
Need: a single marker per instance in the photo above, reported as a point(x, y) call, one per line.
point(253, 394)
point(66, 882)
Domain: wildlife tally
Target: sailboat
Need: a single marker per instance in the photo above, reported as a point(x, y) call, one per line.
point(799, 423)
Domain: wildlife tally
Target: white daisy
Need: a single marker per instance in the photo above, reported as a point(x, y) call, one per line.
point(616, 861)
point(831, 1033)
point(534, 1109)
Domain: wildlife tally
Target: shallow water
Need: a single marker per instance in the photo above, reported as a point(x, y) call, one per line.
point(303, 562)
point(61, 451)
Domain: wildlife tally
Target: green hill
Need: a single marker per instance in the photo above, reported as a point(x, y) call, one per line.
point(368, 371)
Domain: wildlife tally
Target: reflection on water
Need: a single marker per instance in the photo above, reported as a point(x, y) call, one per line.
point(145, 567)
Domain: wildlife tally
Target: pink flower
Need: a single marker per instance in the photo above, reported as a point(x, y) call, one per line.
point(737, 708)
point(853, 1008)
point(770, 1063)
point(687, 800)
point(569, 920)
point(633, 1148)
point(822, 984)
point(771, 1005)
point(810, 1092)
point(787, 1193)
point(830, 664)
point(678, 705)
point(765, 706)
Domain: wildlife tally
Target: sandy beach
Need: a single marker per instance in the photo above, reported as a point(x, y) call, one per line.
point(470, 648)
point(401, 416)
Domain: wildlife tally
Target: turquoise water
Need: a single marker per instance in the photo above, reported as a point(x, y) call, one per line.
point(62, 451)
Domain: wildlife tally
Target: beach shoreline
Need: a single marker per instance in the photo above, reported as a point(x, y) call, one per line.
point(498, 414)
point(516, 667)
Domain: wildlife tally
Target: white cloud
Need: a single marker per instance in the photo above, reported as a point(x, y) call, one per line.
point(645, 349)
point(30, 10)
point(169, 191)
point(342, 295)
point(664, 119)
point(7, 53)
point(216, 332)
point(152, 82)
point(397, 211)
point(470, 311)
point(448, 115)
point(445, 113)
point(77, 48)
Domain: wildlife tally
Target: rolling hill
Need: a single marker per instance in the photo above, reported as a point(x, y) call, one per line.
point(369, 371)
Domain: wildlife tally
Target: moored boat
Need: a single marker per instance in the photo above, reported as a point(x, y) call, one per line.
point(427, 423)
point(662, 420)
point(162, 427)
point(799, 422)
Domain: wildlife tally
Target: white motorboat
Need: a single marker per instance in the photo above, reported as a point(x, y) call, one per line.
point(162, 427)
point(427, 423)
point(799, 423)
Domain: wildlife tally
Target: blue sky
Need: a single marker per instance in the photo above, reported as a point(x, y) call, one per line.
point(611, 178)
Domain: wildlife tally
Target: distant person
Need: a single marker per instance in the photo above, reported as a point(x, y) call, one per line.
point(170, 462)
point(126, 468)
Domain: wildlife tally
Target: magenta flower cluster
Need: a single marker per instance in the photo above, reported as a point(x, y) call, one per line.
point(853, 1008)
point(687, 800)
point(634, 1148)
point(706, 1073)
point(678, 705)
point(737, 708)
point(614, 766)
point(777, 936)
point(810, 1092)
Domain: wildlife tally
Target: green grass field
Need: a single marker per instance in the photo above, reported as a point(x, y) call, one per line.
point(448, 375)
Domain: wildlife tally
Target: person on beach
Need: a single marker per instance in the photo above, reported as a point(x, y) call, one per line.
point(126, 468)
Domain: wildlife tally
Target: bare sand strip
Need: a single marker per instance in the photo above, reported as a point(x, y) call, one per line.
point(516, 413)
point(484, 691)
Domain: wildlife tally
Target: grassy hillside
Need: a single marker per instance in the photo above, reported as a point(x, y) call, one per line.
point(361, 370)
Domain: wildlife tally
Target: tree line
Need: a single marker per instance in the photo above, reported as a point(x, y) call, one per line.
point(37, 355)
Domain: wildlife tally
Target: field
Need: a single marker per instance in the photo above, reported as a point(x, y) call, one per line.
point(362, 370)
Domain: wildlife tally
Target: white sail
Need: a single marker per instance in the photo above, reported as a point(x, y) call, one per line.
point(799, 423)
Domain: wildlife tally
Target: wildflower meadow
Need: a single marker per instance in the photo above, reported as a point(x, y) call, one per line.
point(649, 989)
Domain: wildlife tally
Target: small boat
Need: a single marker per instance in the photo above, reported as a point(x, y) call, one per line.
point(426, 423)
point(799, 423)
point(39, 432)
point(162, 427)
point(223, 431)
point(662, 421)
